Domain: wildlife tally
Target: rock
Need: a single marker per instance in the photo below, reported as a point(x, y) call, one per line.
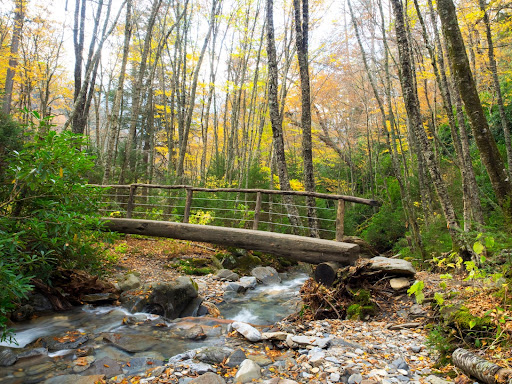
point(321, 342)
point(75, 379)
point(131, 343)
point(167, 299)
point(248, 282)
point(192, 309)
point(355, 378)
point(238, 288)
point(128, 282)
point(22, 313)
point(194, 333)
point(198, 368)
point(213, 355)
point(210, 308)
point(7, 357)
point(105, 366)
point(68, 340)
point(400, 363)
point(208, 378)
point(248, 331)
point(82, 363)
point(40, 368)
point(365, 249)
point(140, 365)
point(266, 275)
point(432, 379)
point(227, 274)
point(247, 372)
point(399, 283)
point(236, 358)
point(417, 311)
point(100, 297)
point(316, 358)
point(36, 352)
point(281, 336)
point(261, 360)
point(39, 302)
point(396, 266)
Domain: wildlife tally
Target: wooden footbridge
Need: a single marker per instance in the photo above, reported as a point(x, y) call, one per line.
point(244, 218)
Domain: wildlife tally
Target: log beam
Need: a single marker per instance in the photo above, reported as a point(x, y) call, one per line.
point(306, 249)
point(479, 368)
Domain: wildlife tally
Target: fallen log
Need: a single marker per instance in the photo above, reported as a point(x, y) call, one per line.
point(306, 249)
point(325, 273)
point(480, 369)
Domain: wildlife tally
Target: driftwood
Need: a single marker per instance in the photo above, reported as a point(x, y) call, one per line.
point(480, 369)
point(59, 302)
point(306, 249)
point(325, 273)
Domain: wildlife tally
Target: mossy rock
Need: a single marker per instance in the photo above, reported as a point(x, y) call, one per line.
point(465, 320)
point(245, 263)
point(360, 312)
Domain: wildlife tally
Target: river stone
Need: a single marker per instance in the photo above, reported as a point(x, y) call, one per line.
point(82, 363)
point(69, 340)
point(208, 378)
point(141, 364)
point(236, 358)
point(75, 379)
point(247, 372)
point(36, 352)
point(355, 378)
point(194, 333)
point(40, 368)
point(396, 266)
point(167, 299)
point(248, 331)
point(213, 355)
point(100, 297)
point(281, 336)
point(131, 343)
point(248, 282)
point(399, 283)
point(192, 309)
point(105, 366)
point(227, 274)
point(432, 379)
point(238, 288)
point(266, 275)
point(128, 282)
point(7, 358)
point(39, 302)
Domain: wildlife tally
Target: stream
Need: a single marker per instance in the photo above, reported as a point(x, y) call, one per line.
point(113, 336)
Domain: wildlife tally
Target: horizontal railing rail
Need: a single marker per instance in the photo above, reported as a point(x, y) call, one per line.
point(258, 209)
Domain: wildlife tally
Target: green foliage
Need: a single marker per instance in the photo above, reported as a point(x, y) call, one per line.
point(49, 218)
point(385, 228)
point(438, 340)
point(417, 290)
point(193, 267)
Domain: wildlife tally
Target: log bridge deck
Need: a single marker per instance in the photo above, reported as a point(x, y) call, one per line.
point(300, 248)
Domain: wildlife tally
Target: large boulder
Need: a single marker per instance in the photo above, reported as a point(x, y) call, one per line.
point(266, 275)
point(168, 299)
point(394, 266)
point(128, 282)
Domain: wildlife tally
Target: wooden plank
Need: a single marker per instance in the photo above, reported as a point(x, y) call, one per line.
point(306, 249)
point(257, 211)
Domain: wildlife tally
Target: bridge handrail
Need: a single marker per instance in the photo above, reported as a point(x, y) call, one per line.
point(351, 199)
point(340, 215)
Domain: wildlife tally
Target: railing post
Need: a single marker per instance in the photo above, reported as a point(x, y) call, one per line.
point(131, 201)
point(188, 204)
point(340, 220)
point(257, 210)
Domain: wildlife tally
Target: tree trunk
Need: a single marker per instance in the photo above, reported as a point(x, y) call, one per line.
point(19, 15)
point(463, 77)
point(276, 120)
point(413, 113)
point(497, 88)
point(481, 369)
point(114, 116)
point(301, 42)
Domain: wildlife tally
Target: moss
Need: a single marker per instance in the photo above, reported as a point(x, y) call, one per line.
point(465, 320)
point(188, 268)
point(359, 311)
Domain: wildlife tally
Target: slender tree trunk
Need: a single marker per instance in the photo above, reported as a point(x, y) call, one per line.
point(413, 113)
point(114, 116)
point(301, 42)
point(19, 15)
point(500, 181)
point(276, 119)
point(497, 88)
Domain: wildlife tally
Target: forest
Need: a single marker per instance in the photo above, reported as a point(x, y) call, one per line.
point(407, 102)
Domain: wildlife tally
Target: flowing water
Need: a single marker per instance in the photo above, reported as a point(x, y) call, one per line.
point(144, 335)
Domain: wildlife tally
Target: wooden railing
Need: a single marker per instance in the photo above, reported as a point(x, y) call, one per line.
point(157, 202)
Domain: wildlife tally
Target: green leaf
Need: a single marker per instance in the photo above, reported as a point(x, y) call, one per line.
point(482, 259)
point(439, 298)
point(472, 323)
point(489, 242)
point(478, 248)
point(446, 276)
